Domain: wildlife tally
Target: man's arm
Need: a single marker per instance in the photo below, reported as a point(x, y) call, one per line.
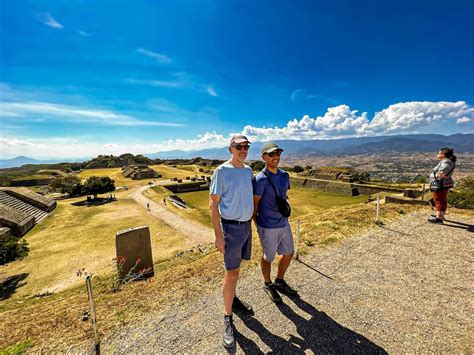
point(256, 201)
point(216, 222)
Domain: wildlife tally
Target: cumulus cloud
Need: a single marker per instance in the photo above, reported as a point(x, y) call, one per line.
point(341, 121)
point(49, 20)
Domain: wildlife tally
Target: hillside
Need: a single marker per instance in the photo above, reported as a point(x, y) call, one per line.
point(420, 143)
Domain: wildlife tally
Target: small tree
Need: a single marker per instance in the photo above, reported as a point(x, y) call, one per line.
point(66, 184)
point(298, 169)
point(98, 185)
point(257, 165)
point(308, 167)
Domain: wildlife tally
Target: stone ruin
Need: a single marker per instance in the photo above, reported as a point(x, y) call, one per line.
point(336, 174)
point(134, 255)
point(21, 209)
point(139, 172)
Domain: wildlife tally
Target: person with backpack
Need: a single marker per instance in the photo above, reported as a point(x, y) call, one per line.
point(271, 212)
point(441, 181)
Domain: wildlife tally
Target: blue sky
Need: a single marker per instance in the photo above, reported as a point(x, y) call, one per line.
point(81, 78)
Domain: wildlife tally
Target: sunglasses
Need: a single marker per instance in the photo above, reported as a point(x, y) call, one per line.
point(240, 147)
point(274, 153)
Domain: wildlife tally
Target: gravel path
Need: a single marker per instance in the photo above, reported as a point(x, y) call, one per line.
point(406, 287)
point(194, 232)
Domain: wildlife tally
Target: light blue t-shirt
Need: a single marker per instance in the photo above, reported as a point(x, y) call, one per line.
point(234, 187)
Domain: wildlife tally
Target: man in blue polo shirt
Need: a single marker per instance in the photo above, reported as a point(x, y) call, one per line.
point(273, 228)
point(231, 205)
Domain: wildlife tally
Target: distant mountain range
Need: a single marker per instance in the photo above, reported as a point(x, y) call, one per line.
point(401, 144)
point(415, 143)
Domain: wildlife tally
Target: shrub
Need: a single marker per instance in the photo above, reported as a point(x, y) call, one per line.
point(298, 169)
point(12, 248)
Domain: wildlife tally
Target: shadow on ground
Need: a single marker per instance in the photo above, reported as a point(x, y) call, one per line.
point(319, 334)
point(9, 285)
point(94, 202)
point(454, 224)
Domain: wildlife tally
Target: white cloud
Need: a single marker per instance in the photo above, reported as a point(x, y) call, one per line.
point(158, 83)
point(162, 58)
point(337, 122)
point(211, 91)
point(300, 94)
point(83, 33)
point(73, 114)
point(49, 20)
point(463, 120)
point(6, 143)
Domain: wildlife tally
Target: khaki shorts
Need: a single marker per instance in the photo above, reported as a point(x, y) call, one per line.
point(276, 240)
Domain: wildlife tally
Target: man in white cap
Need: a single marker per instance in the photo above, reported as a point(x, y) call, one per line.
point(273, 228)
point(231, 205)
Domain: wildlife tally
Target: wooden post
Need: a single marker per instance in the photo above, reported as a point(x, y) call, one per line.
point(378, 209)
point(93, 314)
point(423, 193)
point(297, 254)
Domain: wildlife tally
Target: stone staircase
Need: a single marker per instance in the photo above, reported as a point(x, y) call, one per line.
point(20, 205)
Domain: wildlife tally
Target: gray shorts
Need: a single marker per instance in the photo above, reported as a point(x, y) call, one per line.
point(276, 240)
point(238, 244)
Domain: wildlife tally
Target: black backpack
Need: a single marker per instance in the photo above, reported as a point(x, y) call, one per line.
point(282, 205)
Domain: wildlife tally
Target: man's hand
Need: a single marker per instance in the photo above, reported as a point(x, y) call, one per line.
point(220, 244)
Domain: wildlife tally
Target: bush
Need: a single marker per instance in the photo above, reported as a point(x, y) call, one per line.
point(462, 196)
point(461, 199)
point(12, 248)
point(66, 184)
point(298, 169)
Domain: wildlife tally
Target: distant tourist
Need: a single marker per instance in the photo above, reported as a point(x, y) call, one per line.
point(271, 212)
point(148, 206)
point(441, 181)
point(164, 201)
point(231, 205)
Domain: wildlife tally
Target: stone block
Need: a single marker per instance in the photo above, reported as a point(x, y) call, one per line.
point(134, 245)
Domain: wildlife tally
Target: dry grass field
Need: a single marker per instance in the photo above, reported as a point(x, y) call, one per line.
point(74, 237)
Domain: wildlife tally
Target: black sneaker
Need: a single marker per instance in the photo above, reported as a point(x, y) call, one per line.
point(435, 220)
point(283, 287)
point(239, 305)
point(272, 292)
point(228, 339)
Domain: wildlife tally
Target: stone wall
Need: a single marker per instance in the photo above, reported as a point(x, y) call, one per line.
point(345, 188)
point(19, 222)
point(187, 187)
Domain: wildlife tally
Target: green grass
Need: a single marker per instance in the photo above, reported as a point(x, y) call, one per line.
point(305, 200)
point(302, 201)
point(18, 348)
point(197, 201)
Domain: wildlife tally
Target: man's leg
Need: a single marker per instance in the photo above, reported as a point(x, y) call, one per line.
point(228, 289)
point(283, 265)
point(266, 270)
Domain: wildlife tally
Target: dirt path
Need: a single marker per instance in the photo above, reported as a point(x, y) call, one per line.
point(193, 231)
point(406, 287)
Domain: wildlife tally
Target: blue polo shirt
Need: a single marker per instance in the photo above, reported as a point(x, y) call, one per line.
point(268, 214)
point(234, 187)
